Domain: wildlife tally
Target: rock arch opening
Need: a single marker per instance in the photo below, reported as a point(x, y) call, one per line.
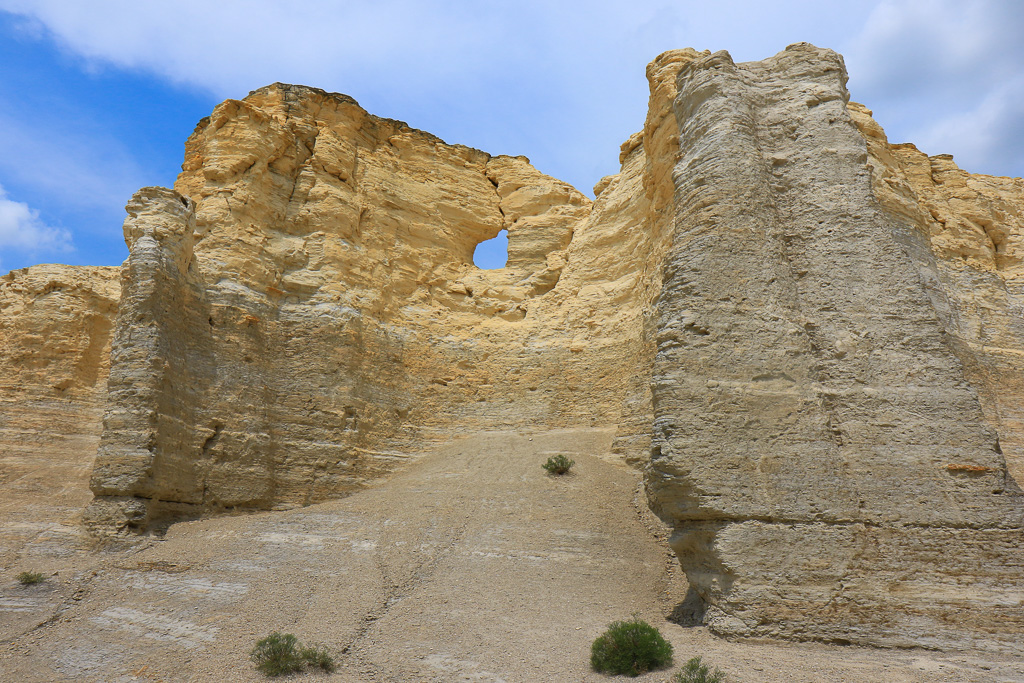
point(493, 253)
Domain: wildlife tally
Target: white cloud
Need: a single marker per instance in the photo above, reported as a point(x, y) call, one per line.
point(231, 46)
point(562, 82)
point(946, 75)
point(224, 44)
point(990, 134)
point(559, 81)
point(22, 230)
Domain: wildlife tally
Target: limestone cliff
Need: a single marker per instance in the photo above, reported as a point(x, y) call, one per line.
point(973, 226)
point(303, 314)
point(822, 444)
point(808, 337)
point(55, 328)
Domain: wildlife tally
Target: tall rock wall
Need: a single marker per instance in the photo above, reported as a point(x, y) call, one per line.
point(55, 329)
point(825, 438)
point(973, 226)
point(302, 314)
point(161, 359)
point(808, 337)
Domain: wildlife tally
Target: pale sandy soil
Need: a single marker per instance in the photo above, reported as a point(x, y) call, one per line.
point(471, 565)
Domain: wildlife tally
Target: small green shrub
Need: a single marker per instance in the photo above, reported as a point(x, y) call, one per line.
point(281, 653)
point(277, 654)
point(318, 658)
point(30, 578)
point(630, 648)
point(696, 671)
point(558, 464)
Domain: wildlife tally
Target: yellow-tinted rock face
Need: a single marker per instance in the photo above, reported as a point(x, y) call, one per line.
point(303, 313)
point(808, 338)
point(55, 328)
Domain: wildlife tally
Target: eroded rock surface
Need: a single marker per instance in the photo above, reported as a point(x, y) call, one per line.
point(303, 314)
point(808, 337)
point(974, 269)
point(821, 441)
point(55, 329)
point(55, 326)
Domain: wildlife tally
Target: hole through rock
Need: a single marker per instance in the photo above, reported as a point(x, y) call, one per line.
point(492, 253)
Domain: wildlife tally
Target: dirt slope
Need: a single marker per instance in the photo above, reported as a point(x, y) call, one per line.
point(472, 565)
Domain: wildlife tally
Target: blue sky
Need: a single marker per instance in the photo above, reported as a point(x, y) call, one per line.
point(99, 97)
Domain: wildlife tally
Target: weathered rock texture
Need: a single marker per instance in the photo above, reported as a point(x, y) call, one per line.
point(55, 327)
point(833, 318)
point(823, 329)
point(303, 313)
point(974, 227)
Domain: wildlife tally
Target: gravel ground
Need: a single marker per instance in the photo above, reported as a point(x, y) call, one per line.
point(471, 565)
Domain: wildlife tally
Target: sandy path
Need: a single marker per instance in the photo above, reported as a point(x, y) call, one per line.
point(472, 565)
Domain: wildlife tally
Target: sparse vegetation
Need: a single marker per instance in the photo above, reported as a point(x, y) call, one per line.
point(696, 671)
point(558, 464)
point(630, 648)
point(30, 578)
point(281, 653)
point(318, 658)
point(278, 654)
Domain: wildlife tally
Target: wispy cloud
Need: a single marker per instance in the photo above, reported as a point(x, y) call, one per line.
point(946, 75)
point(22, 230)
point(224, 44)
point(988, 135)
point(73, 164)
point(561, 82)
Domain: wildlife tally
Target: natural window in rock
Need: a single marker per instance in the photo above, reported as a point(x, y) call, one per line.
point(492, 253)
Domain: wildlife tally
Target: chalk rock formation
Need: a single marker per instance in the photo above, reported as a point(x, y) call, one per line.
point(55, 326)
point(808, 337)
point(303, 313)
point(826, 410)
point(974, 227)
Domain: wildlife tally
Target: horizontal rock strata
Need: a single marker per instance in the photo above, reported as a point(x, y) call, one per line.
point(821, 441)
point(55, 330)
point(973, 226)
point(809, 337)
point(302, 314)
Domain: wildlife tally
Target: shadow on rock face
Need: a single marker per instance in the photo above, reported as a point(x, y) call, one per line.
point(690, 612)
